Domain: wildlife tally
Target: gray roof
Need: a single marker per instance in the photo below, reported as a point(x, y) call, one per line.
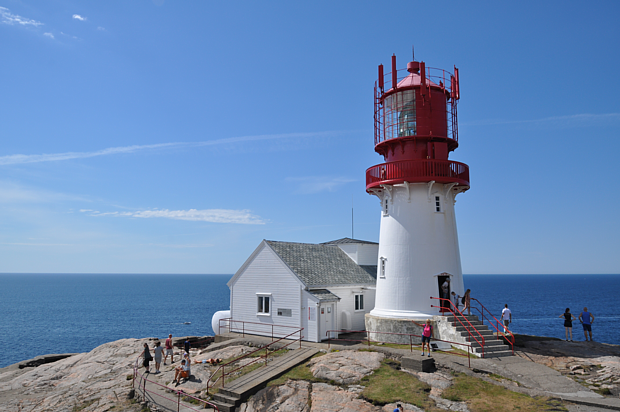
point(323, 295)
point(371, 269)
point(348, 240)
point(321, 265)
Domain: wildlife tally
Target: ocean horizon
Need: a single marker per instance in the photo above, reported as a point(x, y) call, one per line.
point(47, 313)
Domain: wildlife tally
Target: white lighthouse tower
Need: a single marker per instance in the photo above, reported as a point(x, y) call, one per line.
point(415, 131)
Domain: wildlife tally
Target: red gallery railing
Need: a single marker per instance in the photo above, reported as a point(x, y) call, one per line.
point(441, 171)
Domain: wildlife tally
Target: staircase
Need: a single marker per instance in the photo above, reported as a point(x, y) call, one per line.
point(451, 329)
point(239, 390)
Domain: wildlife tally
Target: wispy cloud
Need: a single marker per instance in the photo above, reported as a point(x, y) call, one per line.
point(52, 157)
point(14, 193)
point(50, 35)
point(317, 184)
point(78, 17)
point(101, 28)
point(7, 17)
point(560, 120)
point(207, 215)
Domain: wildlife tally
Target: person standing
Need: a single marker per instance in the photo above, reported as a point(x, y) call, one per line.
point(186, 343)
point(158, 351)
point(467, 301)
point(568, 323)
point(169, 350)
point(445, 293)
point(146, 355)
point(427, 333)
point(506, 317)
point(586, 319)
point(456, 300)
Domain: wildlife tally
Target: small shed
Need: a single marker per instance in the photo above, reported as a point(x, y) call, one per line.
point(318, 287)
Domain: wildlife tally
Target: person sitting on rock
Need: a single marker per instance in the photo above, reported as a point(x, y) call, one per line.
point(182, 371)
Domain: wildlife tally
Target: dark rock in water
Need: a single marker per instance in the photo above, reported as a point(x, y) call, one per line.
point(43, 359)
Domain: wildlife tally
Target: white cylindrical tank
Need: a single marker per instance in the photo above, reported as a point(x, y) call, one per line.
point(418, 243)
point(215, 320)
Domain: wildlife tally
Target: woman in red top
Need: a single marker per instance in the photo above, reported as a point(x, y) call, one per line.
point(427, 333)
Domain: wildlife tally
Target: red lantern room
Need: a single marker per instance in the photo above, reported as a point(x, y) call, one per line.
point(416, 127)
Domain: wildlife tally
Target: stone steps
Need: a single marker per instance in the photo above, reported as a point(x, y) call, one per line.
point(460, 326)
point(237, 391)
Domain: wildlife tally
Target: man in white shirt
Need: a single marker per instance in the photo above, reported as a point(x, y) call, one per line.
point(506, 317)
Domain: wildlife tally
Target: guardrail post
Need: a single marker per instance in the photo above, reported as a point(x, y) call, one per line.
point(178, 401)
point(410, 343)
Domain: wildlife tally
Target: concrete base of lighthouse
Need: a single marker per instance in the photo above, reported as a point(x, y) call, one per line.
point(391, 330)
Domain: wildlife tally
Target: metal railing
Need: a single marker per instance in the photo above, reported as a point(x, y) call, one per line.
point(410, 335)
point(456, 317)
point(222, 368)
point(258, 328)
point(423, 170)
point(511, 341)
point(178, 393)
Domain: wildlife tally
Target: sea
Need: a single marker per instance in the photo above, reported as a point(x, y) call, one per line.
point(70, 313)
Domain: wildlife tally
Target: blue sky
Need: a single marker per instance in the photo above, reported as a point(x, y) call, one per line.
point(172, 137)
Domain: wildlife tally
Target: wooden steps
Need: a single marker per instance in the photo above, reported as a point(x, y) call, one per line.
point(239, 390)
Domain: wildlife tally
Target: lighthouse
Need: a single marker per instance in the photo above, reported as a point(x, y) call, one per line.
point(415, 119)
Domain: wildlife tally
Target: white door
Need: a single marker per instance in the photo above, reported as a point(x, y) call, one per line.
point(326, 317)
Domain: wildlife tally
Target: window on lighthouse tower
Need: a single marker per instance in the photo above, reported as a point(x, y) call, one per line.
point(437, 204)
point(385, 207)
point(406, 117)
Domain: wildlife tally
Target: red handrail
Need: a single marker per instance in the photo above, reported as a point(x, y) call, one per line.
point(512, 336)
point(329, 339)
point(223, 366)
point(179, 393)
point(464, 317)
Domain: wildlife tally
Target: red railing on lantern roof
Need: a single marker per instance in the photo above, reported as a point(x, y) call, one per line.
point(438, 79)
point(413, 171)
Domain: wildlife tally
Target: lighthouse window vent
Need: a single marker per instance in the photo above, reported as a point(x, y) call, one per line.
point(437, 204)
point(385, 207)
point(382, 265)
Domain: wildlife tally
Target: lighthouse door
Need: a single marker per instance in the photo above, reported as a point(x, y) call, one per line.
point(443, 292)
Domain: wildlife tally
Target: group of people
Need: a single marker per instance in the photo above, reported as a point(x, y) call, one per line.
point(182, 371)
point(586, 318)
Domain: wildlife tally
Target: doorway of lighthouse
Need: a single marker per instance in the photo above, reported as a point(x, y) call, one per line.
point(444, 288)
point(326, 318)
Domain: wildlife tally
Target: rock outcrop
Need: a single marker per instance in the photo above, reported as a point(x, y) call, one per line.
point(346, 366)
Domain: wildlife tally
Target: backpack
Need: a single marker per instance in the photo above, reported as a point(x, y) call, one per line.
point(463, 300)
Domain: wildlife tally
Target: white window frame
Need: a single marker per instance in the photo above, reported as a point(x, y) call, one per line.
point(261, 298)
point(386, 210)
point(359, 302)
point(382, 265)
point(438, 208)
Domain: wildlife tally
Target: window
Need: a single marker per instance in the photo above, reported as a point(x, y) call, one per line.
point(264, 304)
point(359, 302)
point(437, 204)
point(385, 206)
point(382, 263)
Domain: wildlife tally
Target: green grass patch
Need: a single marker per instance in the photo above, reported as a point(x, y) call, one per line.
point(482, 396)
point(387, 385)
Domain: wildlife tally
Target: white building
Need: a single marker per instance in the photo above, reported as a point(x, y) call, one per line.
point(317, 287)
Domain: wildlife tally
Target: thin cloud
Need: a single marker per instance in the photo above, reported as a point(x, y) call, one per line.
point(78, 17)
point(7, 17)
point(50, 35)
point(317, 184)
point(52, 157)
point(101, 28)
point(563, 120)
point(207, 215)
